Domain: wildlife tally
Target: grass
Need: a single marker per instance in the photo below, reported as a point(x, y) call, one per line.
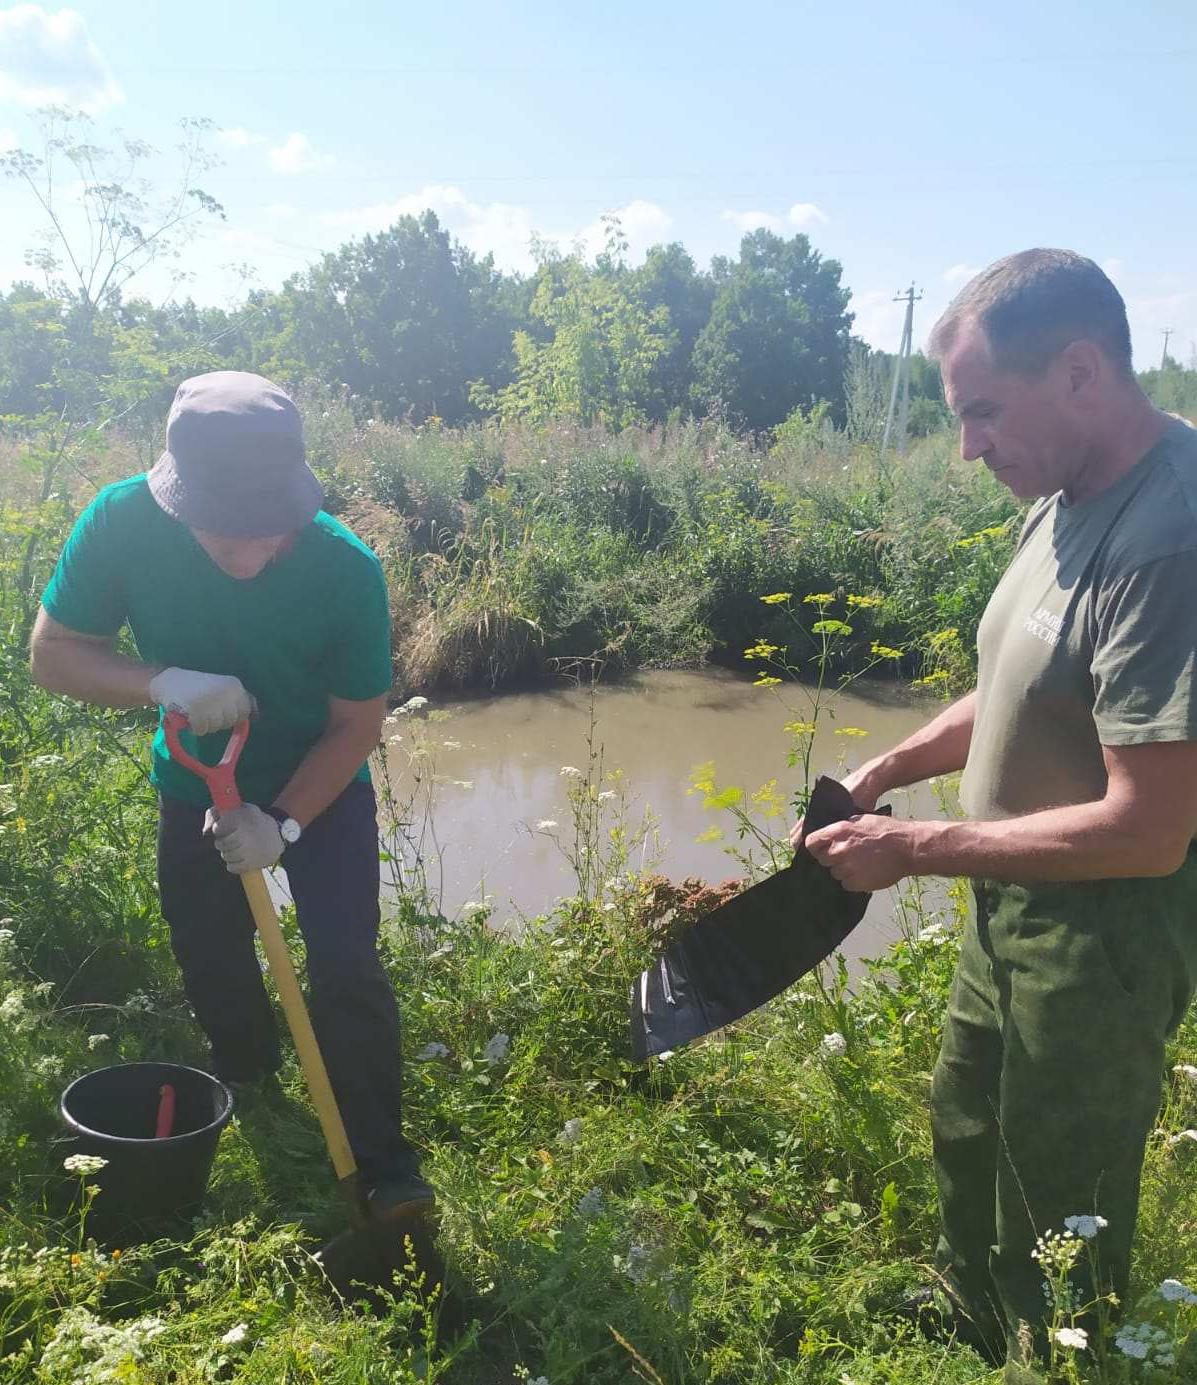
point(742, 1212)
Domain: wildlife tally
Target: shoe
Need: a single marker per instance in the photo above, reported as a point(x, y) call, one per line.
point(403, 1191)
point(940, 1318)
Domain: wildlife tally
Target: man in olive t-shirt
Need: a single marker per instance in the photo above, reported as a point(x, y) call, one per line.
point(243, 598)
point(1079, 752)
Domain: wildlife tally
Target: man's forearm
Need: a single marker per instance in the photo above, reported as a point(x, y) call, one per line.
point(92, 673)
point(940, 747)
point(325, 772)
point(1086, 841)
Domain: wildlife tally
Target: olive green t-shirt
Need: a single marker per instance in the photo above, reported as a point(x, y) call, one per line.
point(312, 624)
point(1089, 639)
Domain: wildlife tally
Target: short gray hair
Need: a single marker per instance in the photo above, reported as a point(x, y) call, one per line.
point(1032, 305)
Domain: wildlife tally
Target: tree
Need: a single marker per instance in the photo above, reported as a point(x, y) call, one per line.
point(669, 279)
point(778, 332)
point(598, 349)
point(405, 318)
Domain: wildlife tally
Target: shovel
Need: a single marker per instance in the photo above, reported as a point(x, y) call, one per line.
point(745, 952)
point(376, 1247)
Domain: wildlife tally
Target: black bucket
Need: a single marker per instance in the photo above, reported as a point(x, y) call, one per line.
point(148, 1186)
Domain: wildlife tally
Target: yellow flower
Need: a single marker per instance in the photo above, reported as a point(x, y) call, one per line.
point(761, 650)
point(851, 731)
point(831, 627)
point(776, 598)
point(800, 728)
point(940, 675)
point(765, 682)
point(885, 651)
point(819, 599)
point(864, 601)
point(712, 834)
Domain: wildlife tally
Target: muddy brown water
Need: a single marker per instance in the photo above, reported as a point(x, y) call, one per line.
point(498, 763)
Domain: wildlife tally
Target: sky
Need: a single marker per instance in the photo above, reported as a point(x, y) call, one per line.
point(914, 144)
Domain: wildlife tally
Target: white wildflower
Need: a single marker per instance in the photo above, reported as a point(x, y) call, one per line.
point(95, 1040)
point(395, 740)
point(540, 1380)
point(1165, 1358)
point(571, 1132)
point(84, 1164)
point(635, 1263)
point(1187, 1070)
point(665, 1055)
point(413, 704)
point(1074, 1337)
point(1179, 1138)
point(606, 796)
point(546, 825)
point(464, 783)
point(1130, 1344)
point(50, 1066)
point(591, 1203)
point(1175, 1292)
point(569, 772)
point(1086, 1227)
point(834, 1045)
point(433, 1050)
point(235, 1335)
point(451, 745)
point(497, 1048)
point(12, 1007)
point(140, 1001)
point(43, 989)
point(6, 937)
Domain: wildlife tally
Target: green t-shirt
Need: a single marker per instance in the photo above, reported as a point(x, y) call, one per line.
point(312, 624)
point(1089, 639)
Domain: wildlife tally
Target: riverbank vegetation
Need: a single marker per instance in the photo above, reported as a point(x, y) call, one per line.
point(745, 1211)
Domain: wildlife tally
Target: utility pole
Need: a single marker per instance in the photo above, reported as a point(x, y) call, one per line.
point(1166, 333)
point(902, 374)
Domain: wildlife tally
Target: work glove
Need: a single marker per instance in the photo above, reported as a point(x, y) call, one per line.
point(210, 701)
point(246, 837)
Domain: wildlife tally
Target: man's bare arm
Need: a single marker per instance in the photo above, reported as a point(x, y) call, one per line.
point(87, 666)
point(1143, 826)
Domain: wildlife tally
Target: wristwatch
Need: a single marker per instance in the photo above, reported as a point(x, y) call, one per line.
point(288, 828)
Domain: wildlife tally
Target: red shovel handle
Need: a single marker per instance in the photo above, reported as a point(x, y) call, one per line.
point(222, 784)
point(164, 1126)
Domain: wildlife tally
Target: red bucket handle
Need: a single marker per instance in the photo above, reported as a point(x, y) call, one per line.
point(222, 784)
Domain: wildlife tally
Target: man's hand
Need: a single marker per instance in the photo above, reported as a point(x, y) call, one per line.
point(210, 701)
point(865, 792)
point(865, 853)
point(246, 837)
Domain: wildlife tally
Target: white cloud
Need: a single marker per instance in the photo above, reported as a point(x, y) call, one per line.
point(804, 215)
point(753, 221)
point(503, 229)
point(8, 140)
point(47, 58)
point(296, 155)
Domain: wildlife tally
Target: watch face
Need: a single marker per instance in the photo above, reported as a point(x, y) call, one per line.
point(290, 830)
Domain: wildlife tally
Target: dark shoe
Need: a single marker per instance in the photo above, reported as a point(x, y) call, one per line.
point(940, 1318)
point(403, 1191)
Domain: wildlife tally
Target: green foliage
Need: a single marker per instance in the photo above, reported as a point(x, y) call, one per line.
point(778, 333)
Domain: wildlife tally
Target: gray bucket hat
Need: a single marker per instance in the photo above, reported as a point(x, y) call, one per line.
point(234, 460)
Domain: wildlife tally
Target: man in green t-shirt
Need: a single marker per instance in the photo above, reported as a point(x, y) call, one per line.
point(1079, 752)
point(244, 598)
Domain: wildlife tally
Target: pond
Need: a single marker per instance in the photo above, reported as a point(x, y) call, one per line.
point(500, 825)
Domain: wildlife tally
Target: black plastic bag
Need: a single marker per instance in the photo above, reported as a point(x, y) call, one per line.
point(750, 949)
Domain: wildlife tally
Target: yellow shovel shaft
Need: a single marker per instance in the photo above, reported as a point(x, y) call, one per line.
point(310, 1058)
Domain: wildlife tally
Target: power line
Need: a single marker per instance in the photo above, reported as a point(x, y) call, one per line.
point(902, 373)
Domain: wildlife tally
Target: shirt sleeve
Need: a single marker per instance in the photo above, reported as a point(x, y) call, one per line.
point(86, 591)
point(1145, 656)
point(360, 666)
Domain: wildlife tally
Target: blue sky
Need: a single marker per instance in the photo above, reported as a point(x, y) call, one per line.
point(911, 143)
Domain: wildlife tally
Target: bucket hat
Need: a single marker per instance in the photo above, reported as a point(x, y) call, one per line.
point(234, 461)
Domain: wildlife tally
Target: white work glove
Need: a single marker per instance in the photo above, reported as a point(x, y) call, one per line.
point(210, 701)
point(246, 837)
